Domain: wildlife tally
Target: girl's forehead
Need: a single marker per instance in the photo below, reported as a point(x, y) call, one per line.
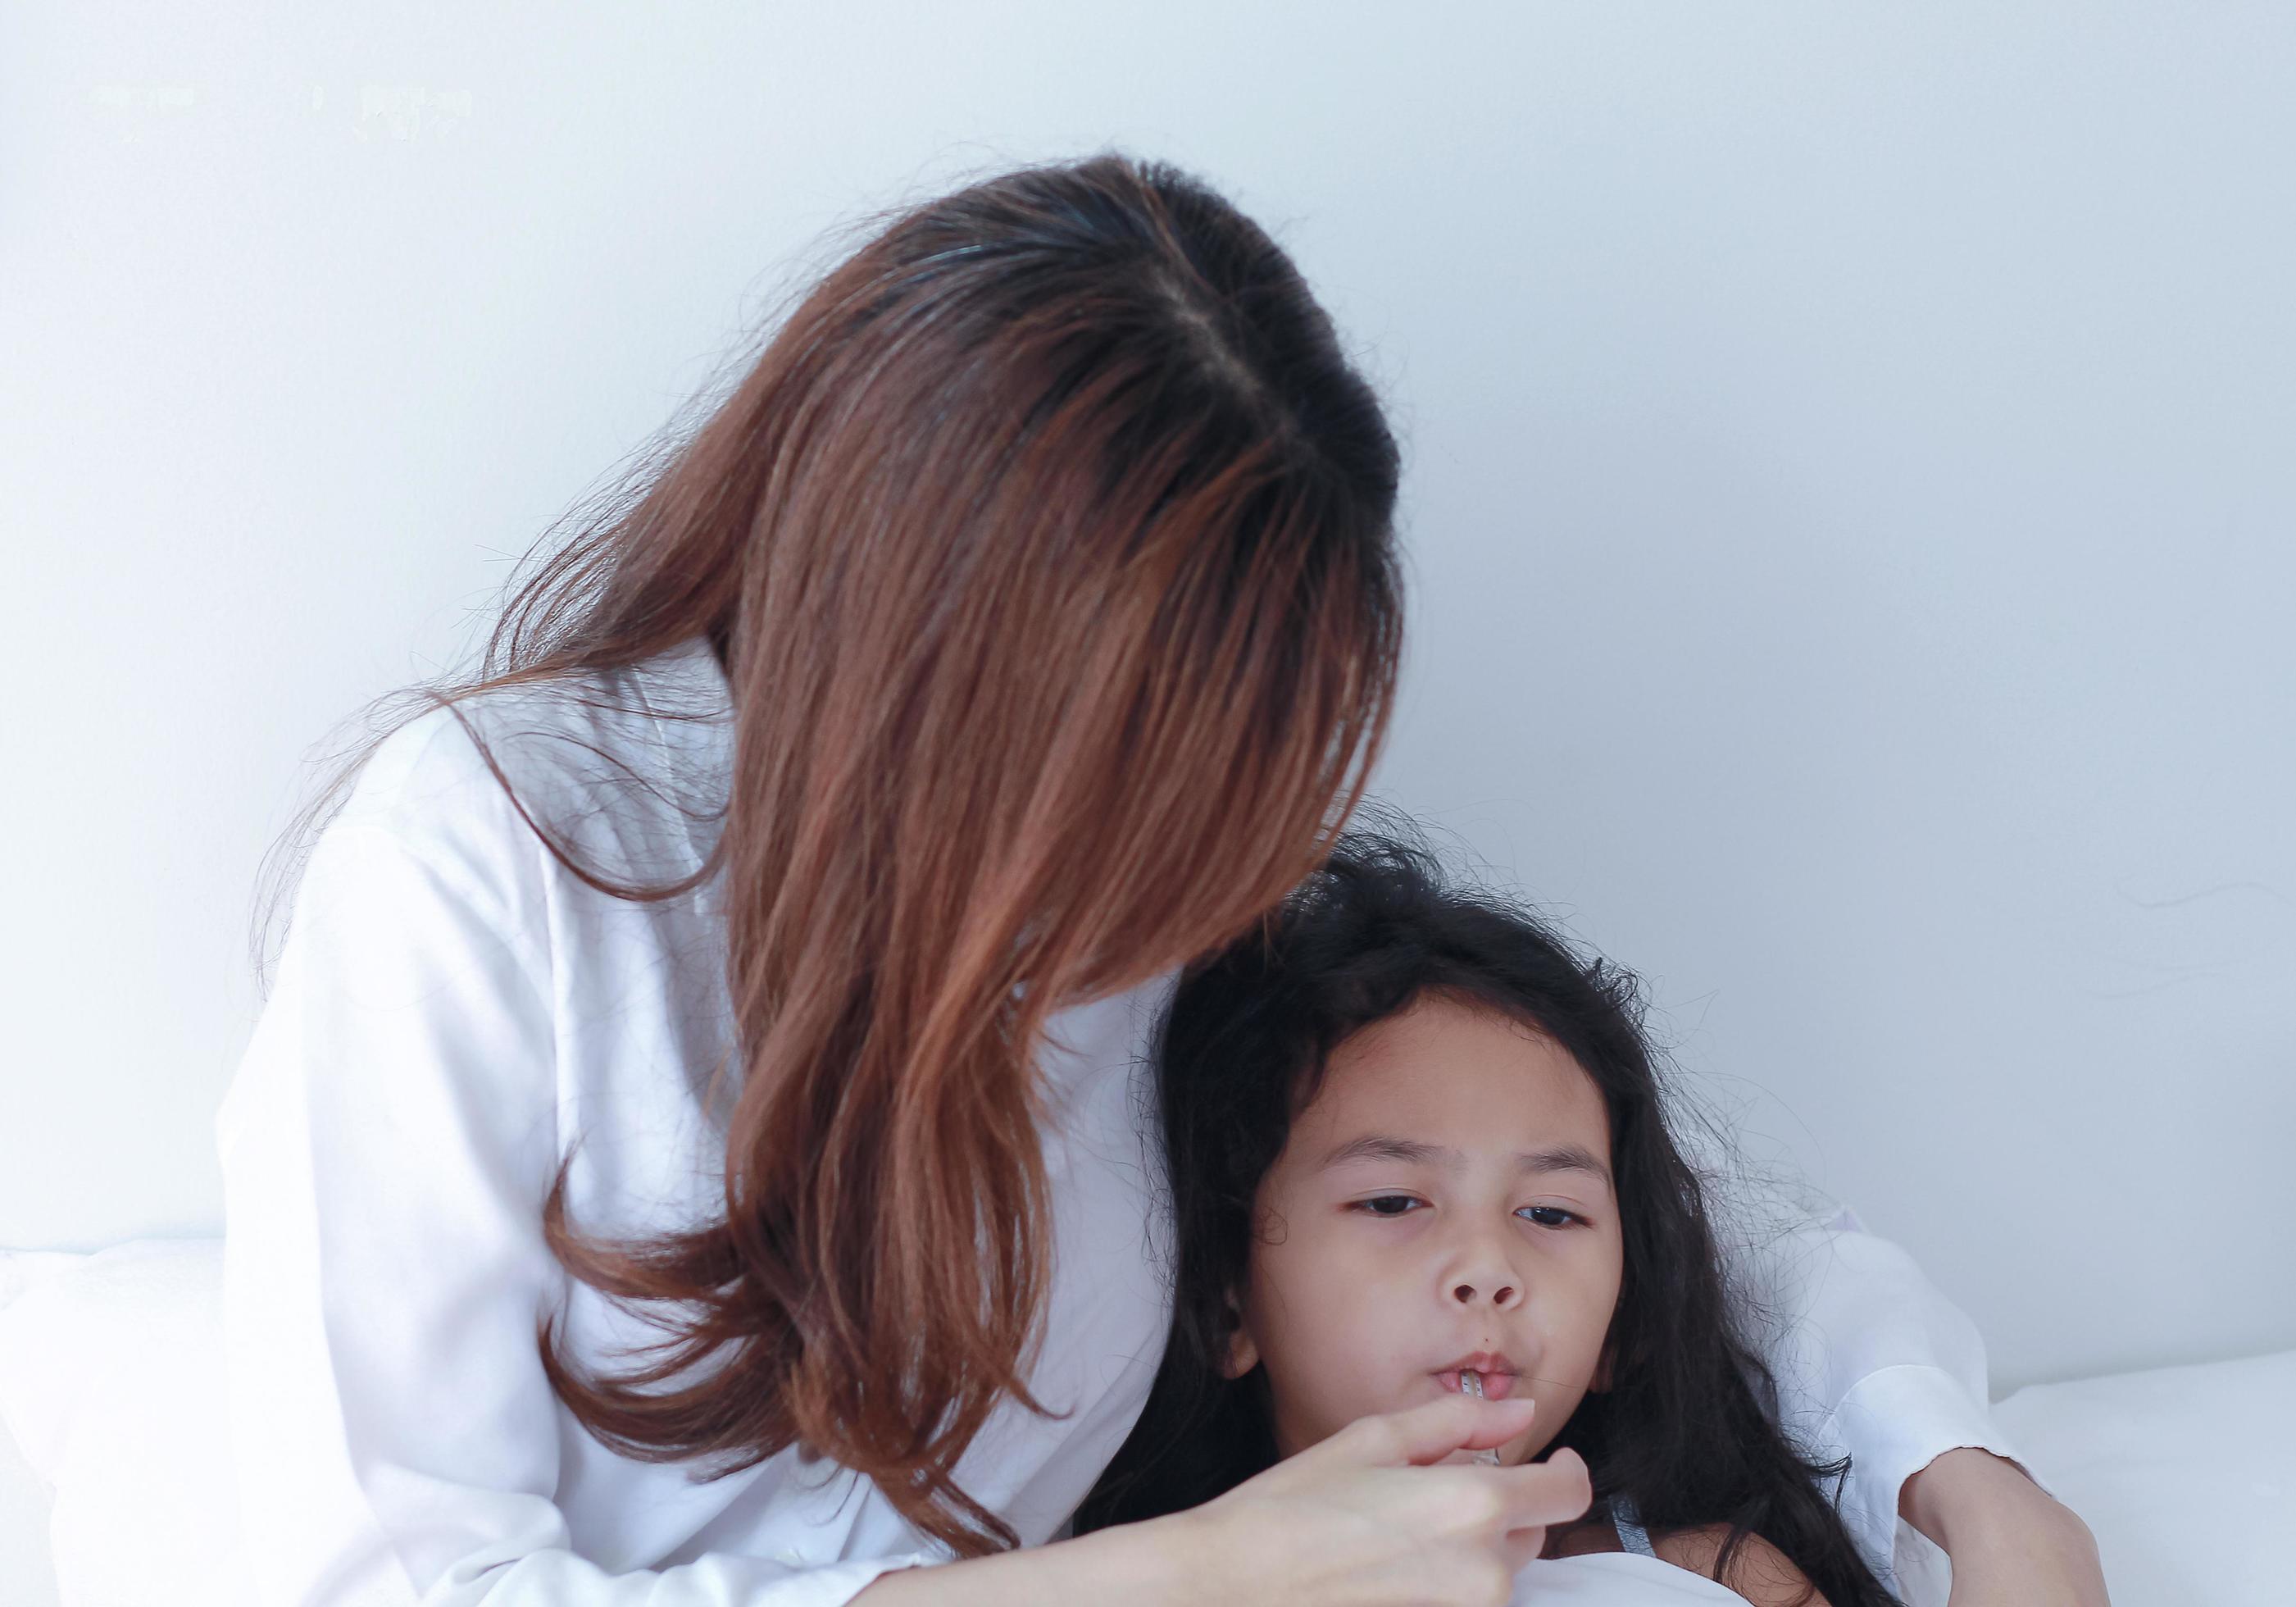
point(1439, 1064)
point(1438, 1036)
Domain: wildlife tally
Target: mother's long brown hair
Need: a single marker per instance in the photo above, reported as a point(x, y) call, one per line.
point(1047, 548)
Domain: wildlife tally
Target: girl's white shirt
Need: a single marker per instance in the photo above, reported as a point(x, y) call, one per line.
point(453, 1010)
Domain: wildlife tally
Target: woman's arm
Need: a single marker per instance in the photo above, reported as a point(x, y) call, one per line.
point(1358, 1517)
point(1132, 1563)
point(2013, 1544)
point(386, 1146)
point(1872, 1362)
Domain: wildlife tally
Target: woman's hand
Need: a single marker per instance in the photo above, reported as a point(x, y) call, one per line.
point(1360, 1519)
point(2011, 1544)
point(1350, 1522)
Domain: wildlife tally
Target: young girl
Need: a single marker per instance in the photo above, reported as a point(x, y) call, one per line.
point(1414, 1143)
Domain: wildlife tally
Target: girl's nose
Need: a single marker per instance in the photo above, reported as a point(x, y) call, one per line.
point(1502, 1293)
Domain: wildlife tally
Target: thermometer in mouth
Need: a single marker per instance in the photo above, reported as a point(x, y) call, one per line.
point(1471, 1382)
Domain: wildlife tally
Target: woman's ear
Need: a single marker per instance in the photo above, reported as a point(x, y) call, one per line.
point(1242, 1355)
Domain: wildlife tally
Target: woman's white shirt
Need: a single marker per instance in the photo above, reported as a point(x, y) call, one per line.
point(454, 1011)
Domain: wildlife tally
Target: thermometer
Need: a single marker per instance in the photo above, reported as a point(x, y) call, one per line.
point(1472, 1383)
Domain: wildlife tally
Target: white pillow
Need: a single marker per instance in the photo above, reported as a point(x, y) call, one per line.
point(2181, 1474)
point(111, 1382)
point(26, 1579)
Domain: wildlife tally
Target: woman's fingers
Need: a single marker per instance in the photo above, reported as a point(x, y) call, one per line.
point(1521, 1548)
point(1540, 1494)
point(1359, 1517)
point(1433, 1429)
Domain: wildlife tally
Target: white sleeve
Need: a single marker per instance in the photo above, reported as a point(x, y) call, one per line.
point(1871, 1361)
point(386, 1147)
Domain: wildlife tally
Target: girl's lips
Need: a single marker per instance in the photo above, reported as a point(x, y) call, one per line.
point(1496, 1386)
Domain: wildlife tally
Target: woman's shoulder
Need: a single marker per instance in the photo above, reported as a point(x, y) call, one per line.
point(1757, 1570)
point(627, 769)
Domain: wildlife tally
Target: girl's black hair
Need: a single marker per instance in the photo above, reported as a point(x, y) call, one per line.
point(1242, 1050)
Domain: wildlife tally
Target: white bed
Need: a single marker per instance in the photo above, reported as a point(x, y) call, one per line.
point(112, 1494)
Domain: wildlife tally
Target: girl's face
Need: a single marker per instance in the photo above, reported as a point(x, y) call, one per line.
point(1445, 1200)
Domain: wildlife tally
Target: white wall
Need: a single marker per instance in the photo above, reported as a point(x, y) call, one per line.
point(1849, 504)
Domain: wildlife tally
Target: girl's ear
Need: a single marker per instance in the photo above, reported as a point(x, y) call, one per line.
point(1242, 1355)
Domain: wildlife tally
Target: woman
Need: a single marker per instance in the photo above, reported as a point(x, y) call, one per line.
point(692, 1153)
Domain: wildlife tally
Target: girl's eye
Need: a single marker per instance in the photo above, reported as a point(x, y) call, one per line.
point(1551, 1209)
point(1403, 1200)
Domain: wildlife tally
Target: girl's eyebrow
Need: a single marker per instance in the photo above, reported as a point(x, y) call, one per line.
point(1380, 1146)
